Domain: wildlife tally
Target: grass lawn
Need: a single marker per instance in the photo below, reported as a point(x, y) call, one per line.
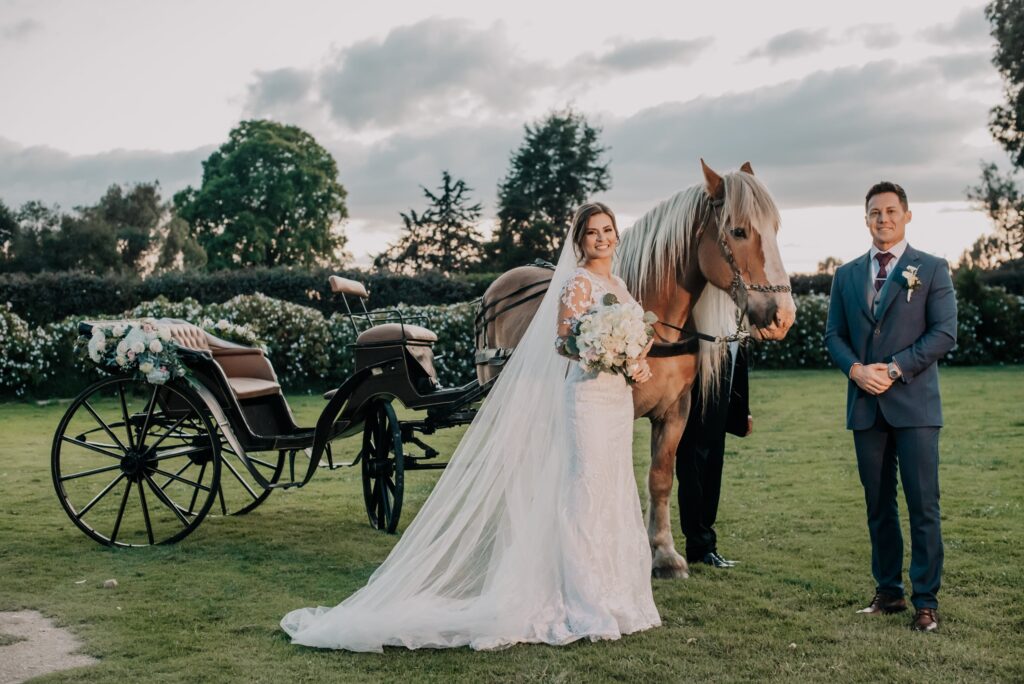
point(792, 511)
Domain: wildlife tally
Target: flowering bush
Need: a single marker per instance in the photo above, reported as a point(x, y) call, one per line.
point(310, 351)
point(232, 332)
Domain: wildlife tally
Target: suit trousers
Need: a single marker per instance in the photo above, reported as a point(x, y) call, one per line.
point(699, 461)
point(886, 454)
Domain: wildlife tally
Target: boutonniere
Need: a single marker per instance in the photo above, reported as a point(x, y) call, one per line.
point(913, 282)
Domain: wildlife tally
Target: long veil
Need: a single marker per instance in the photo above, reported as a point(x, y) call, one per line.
point(481, 564)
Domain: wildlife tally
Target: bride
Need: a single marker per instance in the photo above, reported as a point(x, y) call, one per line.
point(533, 533)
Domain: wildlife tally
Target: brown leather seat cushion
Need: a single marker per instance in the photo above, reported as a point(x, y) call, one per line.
point(392, 332)
point(248, 388)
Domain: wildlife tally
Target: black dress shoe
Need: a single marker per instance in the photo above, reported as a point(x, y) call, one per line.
point(716, 561)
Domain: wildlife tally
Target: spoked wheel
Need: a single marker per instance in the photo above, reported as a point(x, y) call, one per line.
point(238, 492)
point(136, 464)
point(383, 467)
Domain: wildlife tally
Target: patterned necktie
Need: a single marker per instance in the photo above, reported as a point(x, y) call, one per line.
point(883, 259)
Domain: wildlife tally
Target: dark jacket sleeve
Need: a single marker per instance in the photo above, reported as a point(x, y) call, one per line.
point(837, 329)
point(940, 334)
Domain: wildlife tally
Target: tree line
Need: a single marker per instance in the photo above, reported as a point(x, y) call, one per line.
point(270, 196)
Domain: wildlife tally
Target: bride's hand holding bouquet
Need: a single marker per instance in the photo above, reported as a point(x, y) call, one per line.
point(613, 337)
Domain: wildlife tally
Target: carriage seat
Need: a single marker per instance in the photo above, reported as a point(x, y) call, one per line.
point(397, 333)
point(248, 371)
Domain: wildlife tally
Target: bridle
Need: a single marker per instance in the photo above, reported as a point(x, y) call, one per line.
point(738, 289)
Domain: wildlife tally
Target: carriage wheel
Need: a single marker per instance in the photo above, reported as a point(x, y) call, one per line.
point(383, 467)
point(136, 464)
point(238, 492)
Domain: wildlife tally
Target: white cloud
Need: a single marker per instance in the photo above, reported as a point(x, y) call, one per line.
point(438, 71)
point(19, 30)
point(968, 28)
point(795, 43)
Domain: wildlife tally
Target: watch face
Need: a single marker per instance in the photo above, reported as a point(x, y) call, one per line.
point(893, 373)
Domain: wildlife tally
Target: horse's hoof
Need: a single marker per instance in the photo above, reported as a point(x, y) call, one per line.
point(670, 572)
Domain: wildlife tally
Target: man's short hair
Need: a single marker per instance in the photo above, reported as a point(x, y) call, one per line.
point(887, 186)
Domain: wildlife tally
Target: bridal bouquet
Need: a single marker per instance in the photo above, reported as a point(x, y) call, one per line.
point(610, 335)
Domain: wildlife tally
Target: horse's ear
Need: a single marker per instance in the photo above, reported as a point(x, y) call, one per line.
point(712, 181)
point(747, 168)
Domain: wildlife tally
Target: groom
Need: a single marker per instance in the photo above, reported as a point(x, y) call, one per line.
point(891, 317)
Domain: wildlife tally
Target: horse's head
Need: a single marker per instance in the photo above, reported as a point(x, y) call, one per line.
point(738, 251)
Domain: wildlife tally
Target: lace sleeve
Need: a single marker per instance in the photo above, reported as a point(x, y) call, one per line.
point(573, 302)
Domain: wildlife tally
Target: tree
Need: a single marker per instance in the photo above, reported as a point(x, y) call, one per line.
point(269, 197)
point(829, 265)
point(557, 167)
point(1006, 121)
point(133, 214)
point(180, 249)
point(444, 238)
point(33, 239)
point(998, 194)
point(8, 230)
point(85, 242)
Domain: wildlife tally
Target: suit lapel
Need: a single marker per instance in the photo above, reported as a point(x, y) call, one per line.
point(896, 283)
point(863, 289)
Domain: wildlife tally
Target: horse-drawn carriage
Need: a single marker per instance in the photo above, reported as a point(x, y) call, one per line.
point(135, 463)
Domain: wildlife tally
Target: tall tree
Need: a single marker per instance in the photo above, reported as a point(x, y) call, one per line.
point(556, 168)
point(180, 250)
point(33, 242)
point(133, 214)
point(270, 196)
point(8, 230)
point(444, 238)
point(999, 194)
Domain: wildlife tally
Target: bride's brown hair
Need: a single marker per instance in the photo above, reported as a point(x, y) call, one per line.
point(579, 224)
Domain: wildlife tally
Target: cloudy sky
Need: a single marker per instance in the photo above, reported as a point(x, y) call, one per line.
point(823, 98)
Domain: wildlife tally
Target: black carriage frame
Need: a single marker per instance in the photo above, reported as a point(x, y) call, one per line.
point(203, 408)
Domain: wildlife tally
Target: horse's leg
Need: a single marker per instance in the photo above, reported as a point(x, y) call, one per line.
point(665, 435)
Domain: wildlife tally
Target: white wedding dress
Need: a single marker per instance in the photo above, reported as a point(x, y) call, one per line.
point(533, 533)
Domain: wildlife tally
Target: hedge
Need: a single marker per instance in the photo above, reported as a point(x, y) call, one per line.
point(310, 350)
point(47, 297)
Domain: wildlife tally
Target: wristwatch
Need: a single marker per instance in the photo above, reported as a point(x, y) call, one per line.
point(894, 371)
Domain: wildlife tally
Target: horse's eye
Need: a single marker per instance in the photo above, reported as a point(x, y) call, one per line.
point(739, 233)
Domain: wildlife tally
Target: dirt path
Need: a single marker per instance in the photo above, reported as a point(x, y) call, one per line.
point(39, 647)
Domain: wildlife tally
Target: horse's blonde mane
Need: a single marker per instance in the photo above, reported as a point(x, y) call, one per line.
point(653, 253)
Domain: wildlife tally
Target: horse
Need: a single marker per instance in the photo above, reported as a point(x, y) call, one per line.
point(705, 261)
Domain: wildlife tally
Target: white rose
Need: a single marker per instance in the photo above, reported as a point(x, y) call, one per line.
point(165, 334)
point(121, 359)
point(117, 330)
point(122, 347)
point(157, 376)
point(156, 347)
point(223, 324)
point(146, 366)
point(138, 346)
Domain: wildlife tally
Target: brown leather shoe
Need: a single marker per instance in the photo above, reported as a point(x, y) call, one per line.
point(925, 620)
point(884, 604)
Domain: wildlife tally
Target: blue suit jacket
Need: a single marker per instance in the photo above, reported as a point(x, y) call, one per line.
point(916, 334)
